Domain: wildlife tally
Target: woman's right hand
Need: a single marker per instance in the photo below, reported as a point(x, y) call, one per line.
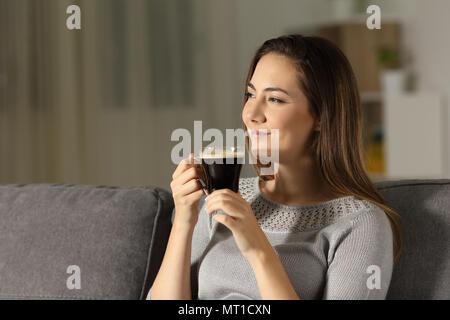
point(187, 191)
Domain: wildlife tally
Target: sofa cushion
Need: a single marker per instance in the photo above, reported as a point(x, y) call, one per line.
point(81, 242)
point(422, 270)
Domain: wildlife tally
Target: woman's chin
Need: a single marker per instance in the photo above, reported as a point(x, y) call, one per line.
point(261, 152)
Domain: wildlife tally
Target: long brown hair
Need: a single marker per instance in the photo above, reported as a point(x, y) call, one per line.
point(327, 80)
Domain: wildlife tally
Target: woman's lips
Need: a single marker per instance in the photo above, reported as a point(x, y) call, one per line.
point(259, 133)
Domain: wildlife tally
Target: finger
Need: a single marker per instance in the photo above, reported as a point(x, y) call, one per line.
point(229, 206)
point(197, 195)
point(187, 188)
point(224, 191)
point(182, 166)
point(227, 221)
point(218, 204)
point(187, 176)
point(223, 194)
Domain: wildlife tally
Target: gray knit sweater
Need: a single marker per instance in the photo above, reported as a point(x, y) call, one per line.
point(339, 249)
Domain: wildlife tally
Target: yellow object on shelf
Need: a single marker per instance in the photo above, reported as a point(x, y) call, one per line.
point(374, 159)
point(375, 154)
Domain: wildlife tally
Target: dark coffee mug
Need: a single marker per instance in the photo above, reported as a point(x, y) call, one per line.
point(221, 168)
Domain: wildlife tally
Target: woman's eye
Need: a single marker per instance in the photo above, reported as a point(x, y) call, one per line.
point(276, 100)
point(272, 99)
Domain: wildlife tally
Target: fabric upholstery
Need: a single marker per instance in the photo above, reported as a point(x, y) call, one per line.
point(115, 236)
point(422, 270)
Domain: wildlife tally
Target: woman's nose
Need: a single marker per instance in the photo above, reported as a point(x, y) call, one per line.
point(255, 114)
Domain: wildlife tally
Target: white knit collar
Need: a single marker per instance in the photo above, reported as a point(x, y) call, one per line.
point(276, 217)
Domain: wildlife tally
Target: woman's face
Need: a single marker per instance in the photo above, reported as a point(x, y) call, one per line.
point(275, 101)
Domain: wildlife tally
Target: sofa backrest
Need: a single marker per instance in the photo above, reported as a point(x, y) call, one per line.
point(114, 240)
point(81, 242)
point(422, 270)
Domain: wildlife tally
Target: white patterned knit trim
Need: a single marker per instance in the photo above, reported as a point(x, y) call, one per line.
point(276, 217)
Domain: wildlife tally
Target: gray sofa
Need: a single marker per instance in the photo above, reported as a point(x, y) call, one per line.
point(98, 242)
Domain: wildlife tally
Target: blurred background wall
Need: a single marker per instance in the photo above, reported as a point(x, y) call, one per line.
point(98, 105)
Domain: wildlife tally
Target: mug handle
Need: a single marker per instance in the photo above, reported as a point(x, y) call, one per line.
point(203, 183)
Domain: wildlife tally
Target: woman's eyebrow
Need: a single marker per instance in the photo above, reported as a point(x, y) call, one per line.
point(268, 89)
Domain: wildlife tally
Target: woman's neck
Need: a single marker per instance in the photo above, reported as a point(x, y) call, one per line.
point(298, 184)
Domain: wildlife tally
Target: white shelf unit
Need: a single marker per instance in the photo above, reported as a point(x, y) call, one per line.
point(416, 141)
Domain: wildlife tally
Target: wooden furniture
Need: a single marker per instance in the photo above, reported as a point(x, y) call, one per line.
point(361, 46)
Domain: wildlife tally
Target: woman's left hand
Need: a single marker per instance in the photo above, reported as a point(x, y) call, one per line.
point(249, 237)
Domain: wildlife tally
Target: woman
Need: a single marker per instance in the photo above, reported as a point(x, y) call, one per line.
point(318, 228)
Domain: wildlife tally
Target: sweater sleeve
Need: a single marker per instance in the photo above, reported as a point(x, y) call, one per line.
point(361, 267)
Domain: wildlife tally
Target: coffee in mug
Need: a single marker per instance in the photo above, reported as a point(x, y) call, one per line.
point(222, 168)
